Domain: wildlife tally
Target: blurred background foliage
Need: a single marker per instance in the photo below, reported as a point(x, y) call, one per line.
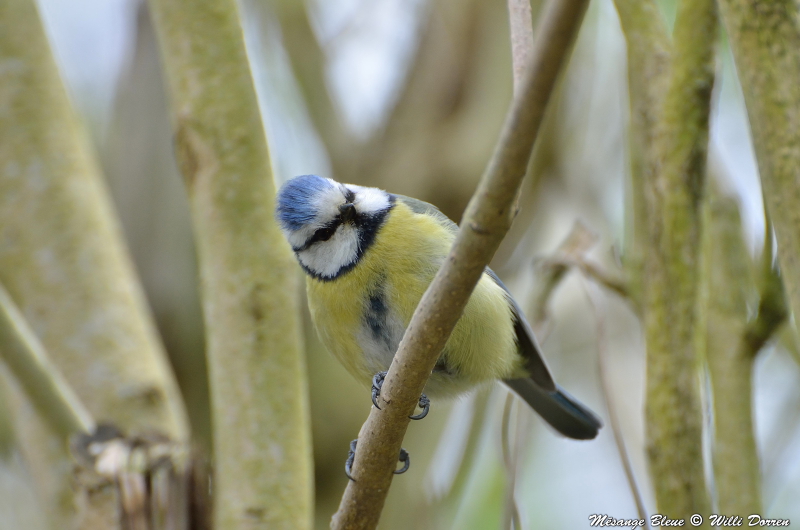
point(409, 96)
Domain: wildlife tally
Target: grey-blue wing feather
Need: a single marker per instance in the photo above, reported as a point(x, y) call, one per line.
point(422, 207)
point(566, 414)
point(563, 412)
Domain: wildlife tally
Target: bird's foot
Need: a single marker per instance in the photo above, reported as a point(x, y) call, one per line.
point(377, 383)
point(425, 405)
point(351, 456)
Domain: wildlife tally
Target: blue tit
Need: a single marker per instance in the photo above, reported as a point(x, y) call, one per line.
point(370, 255)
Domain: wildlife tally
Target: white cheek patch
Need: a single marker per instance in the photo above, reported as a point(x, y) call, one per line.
point(369, 200)
point(326, 258)
point(297, 238)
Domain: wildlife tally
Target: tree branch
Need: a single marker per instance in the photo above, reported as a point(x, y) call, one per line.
point(43, 383)
point(488, 217)
point(765, 38)
point(772, 308)
point(649, 53)
point(262, 446)
point(672, 410)
point(64, 263)
point(521, 26)
point(552, 270)
point(726, 272)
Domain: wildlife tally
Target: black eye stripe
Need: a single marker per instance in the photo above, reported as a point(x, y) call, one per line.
point(321, 234)
point(364, 222)
point(368, 227)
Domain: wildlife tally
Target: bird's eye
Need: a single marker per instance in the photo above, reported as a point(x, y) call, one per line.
point(324, 234)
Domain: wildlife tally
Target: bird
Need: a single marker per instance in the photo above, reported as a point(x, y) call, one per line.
point(369, 255)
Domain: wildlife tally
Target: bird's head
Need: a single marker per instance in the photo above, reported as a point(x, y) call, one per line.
point(329, 225)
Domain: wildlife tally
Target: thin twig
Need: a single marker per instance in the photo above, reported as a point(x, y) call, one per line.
point(608, 388)
point(521, 29)
point(772, 306)
point(50, 393)
point(614, 283)
point(551, 271)
point(486, 221)
point(510, 448)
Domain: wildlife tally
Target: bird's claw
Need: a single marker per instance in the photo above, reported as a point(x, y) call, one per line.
point(351, 456)
point(425, 405)
point(405, 459)
point(377, 384)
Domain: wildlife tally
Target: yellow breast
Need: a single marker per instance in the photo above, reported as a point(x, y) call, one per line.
point(360, 316)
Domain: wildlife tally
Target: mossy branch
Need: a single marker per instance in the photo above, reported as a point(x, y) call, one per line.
point(649, 56)
point(726, 269)
point(249, 280)
point(485, 222)
point(674, 420)
point(765, 38)
point(63, 261)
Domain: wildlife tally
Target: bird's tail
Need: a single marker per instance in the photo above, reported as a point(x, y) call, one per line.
point(565, 413)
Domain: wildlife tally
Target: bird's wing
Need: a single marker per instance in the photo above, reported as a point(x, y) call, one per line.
point(528, 347)
point(565, 413)
point(424, 208)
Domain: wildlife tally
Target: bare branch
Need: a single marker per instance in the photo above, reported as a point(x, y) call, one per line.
point(486, 221)
point(772, 308)
point(616, 428)
point(44, 384)
point(521, 25)
point(552, 270)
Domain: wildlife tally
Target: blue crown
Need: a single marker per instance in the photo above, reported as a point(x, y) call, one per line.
point(295, 199)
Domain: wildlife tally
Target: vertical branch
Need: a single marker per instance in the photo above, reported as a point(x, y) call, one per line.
point(64, 264)
point(765, 37)
point(262, 454)
point(62, 258)
point(486, 221)
point(649, 52)
point(673, 413)
point(730, 357)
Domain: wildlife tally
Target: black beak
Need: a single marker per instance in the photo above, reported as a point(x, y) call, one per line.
point(347, 212)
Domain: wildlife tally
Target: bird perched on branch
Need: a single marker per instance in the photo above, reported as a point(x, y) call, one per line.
point(369, 256)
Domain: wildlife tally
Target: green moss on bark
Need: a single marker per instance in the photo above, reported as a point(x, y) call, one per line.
point(765, 37)
point(672, 409)
point(249, 280)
